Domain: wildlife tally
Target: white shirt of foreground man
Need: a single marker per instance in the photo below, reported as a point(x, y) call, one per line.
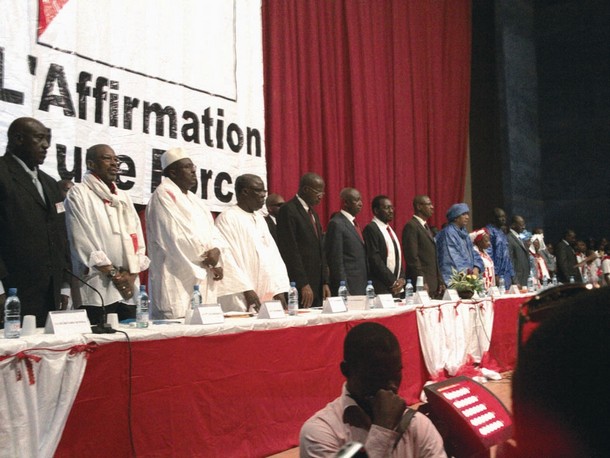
point(104, 232)
point(369, 410)
point(185, 247)
point(253, 248)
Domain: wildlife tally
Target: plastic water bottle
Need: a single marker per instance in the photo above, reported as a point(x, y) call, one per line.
point(343, 292)
point(572, 279)
point(545, 282)
point(293, 299)
point(409, 292)
point(142, 309)
point(530, 284)
point(12, 315)
point(370, 295)
point(501, 285)
point(196, 299)
point(554, 280)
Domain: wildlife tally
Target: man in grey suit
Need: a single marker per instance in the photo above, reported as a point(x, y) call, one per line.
point(344, 245)
point(299, 236)
point(519, 254)
point(33, 241)
point(420, 248)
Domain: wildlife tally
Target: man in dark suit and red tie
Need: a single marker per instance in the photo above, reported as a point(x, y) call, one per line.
point(383, 249)
point(420, 248)
point(344, 245)
point(300, 242)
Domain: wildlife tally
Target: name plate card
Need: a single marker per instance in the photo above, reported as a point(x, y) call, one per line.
point(334, 305)
point(208, 314)
point(67, 322)
point(271, 310)
point(451, 295)
point(494, 291)
point(514, 289)
point(357, 303)
point(385, 301)
point(422, 298)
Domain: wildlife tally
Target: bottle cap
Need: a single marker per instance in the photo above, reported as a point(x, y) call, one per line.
point(12, 291)
point(293, 284)
point(142, 288)
point(196, 288)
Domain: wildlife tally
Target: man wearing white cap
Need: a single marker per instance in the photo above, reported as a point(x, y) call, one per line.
point(184, 245)
point(453, 245)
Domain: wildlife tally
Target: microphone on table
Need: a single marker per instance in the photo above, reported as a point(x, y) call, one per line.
point(103, 327)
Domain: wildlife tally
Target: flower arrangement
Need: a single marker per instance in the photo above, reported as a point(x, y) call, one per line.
point(465, 281)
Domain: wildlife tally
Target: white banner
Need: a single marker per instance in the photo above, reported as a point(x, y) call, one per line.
point(142, 76)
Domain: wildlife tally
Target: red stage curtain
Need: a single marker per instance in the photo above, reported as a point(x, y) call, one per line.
point(370, 94)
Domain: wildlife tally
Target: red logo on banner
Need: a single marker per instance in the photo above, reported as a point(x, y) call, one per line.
point(47, 10)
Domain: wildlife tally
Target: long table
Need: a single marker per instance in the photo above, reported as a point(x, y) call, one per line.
point(239, 389)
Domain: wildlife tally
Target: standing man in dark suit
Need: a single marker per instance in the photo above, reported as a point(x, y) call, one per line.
point(273, 203)
point(344, 245)
point(33, 241)
point(566, 258)
point(519, 255)
point(383, 249)
point(300, 242)
point(420, 248)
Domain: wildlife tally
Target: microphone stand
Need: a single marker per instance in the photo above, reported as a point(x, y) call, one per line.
point(103, 327)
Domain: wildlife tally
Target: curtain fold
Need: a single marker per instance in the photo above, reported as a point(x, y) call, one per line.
point(369, 94)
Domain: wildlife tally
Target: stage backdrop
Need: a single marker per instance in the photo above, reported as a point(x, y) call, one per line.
point(141, 76)
point(370, 94)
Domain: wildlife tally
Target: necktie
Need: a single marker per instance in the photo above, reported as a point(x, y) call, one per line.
point(428, 230)
point(313, 221)
point(396, 254)
point(38, 186)
point(358, 230)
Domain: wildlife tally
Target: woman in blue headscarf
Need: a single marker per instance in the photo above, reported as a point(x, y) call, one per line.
point(453, 245)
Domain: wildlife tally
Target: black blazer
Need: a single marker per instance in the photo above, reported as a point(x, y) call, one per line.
point(566, 262)
point(301, 248)
point(420, 255)
point(33, 241)
point(377, 256)
point(346, 255)
point(520, 258)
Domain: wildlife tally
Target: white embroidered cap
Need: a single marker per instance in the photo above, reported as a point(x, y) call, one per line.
point(172, 155)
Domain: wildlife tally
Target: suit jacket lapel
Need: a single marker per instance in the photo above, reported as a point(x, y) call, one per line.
point(352, 228)
point(423, 229)
point(306, 218)
point(25, 181)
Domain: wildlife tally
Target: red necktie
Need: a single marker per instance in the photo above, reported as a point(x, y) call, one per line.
point(313, 221)
point(358, 230)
